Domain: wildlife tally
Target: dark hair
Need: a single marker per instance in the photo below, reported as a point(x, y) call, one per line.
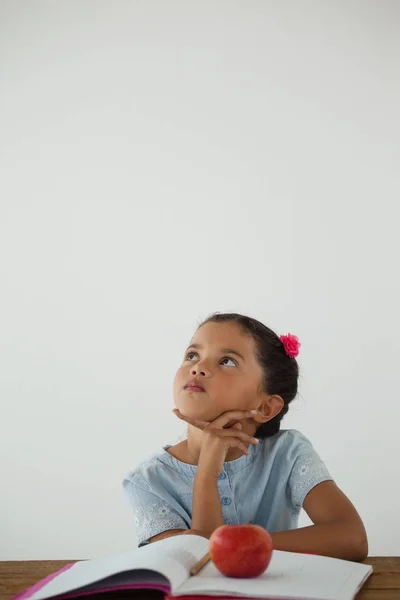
point(280, 371)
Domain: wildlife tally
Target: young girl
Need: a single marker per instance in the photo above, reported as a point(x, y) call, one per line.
point(234, 386)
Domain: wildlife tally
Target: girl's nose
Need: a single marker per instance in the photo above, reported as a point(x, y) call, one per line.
point(199, 369)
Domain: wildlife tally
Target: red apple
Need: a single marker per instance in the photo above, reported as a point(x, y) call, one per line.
point(241, 550)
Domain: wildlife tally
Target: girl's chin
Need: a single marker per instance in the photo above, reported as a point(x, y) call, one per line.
point(197, 413)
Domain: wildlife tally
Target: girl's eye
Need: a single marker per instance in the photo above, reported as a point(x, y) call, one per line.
point(191, 355)
point(225, 364)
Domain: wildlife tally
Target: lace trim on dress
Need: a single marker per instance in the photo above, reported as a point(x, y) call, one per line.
point(307, 472)
point(155, 518)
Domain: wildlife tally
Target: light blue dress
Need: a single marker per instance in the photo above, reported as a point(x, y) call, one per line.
point(267, 487)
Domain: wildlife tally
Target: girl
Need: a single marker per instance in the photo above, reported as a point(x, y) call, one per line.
point(234, 386)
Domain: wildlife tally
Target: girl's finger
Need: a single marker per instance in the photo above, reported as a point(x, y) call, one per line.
point(236, 434)
point(230, 424)
point(198, 424)
point(233, 424)
point(236, 415)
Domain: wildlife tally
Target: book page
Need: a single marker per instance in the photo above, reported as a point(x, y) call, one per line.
point(171, 557)
point(289, 575)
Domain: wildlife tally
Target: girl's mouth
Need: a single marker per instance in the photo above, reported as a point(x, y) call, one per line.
point(193, 387)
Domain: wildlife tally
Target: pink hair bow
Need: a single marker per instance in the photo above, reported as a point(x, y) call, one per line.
point(291, 344)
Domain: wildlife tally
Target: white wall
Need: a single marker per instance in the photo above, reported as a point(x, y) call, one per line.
point(162, 160)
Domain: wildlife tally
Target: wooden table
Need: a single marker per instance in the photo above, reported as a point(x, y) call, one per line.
point(15, 576)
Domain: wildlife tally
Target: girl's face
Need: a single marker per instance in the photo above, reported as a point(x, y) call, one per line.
point(221, 360)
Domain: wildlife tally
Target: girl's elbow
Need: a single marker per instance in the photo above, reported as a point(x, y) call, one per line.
point(363, 549)
point(360, 546)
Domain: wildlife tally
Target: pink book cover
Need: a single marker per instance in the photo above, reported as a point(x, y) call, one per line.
point(26, 594)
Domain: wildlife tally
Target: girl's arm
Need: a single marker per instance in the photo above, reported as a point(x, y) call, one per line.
point(338, 530)
point(218, 437)
point(217, 440)
point(206, 509)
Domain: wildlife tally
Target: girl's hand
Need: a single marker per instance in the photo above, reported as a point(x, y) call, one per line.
point(219, 436)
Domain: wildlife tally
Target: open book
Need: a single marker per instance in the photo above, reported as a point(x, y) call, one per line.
point(165, 566)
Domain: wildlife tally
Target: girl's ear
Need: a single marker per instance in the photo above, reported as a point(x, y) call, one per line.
point(269, 408)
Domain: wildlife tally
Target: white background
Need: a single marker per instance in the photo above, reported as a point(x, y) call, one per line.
point(161, 160)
